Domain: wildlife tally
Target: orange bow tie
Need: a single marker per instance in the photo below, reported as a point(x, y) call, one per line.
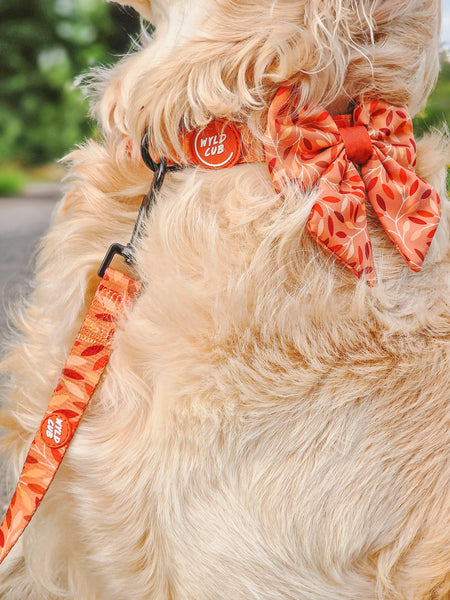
point(309, 145)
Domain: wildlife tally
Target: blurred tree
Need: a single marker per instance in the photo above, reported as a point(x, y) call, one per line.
point(437, 111)
point(44, 45)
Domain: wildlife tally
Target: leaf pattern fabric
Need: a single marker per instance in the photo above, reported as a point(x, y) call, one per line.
point(310, 147)
point(80, 376)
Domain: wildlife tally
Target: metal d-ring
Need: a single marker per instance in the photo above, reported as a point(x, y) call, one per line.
point(148, 160)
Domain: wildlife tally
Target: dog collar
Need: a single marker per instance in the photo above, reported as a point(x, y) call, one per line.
point(219, 145)
point(370, 152)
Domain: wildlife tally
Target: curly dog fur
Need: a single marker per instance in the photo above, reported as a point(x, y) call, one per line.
point(268, 427)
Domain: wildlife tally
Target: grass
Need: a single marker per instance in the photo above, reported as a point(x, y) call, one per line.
point(13, 179)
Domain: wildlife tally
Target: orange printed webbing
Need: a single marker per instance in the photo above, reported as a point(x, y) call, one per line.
point(80, 376)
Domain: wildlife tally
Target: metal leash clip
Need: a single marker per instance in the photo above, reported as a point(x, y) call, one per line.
point(160, 169)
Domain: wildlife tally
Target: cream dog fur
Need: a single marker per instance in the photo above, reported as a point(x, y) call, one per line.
point(268, 427)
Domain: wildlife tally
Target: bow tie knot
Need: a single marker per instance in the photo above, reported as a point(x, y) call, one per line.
point(308, 146)
point(357, 142)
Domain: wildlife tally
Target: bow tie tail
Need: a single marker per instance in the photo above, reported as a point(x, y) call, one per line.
point(338, 220)
point(408, 208)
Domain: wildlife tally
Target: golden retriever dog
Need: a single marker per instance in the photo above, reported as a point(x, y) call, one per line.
point(269, 426)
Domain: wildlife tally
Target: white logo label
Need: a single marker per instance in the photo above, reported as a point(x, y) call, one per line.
point(54, 429)
point(211, 146)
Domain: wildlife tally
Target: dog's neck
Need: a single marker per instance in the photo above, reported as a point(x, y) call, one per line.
point(240, 142)
point(307, 144)
point(340, 106)
point(252, 148)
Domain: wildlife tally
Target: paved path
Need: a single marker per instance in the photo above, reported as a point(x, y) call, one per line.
point(23, 221)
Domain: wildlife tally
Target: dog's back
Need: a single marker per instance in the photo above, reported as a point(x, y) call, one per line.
point(269, 426)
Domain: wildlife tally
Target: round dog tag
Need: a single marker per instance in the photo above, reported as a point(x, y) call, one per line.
point(217, 145)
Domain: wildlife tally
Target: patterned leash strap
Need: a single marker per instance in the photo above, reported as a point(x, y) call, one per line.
point(80, 376)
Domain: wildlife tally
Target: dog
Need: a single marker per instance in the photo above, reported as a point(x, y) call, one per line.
point(269, 426)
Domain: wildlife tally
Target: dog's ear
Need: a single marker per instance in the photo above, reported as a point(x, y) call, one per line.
point(140, 6)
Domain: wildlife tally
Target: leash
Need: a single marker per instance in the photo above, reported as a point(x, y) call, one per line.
point(80, 376)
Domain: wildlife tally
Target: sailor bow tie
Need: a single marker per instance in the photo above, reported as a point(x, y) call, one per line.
point(309, 146)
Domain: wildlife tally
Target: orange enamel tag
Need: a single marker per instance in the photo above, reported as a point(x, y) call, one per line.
point(216, 146)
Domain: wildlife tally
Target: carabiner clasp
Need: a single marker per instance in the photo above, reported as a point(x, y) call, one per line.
point(128, 251)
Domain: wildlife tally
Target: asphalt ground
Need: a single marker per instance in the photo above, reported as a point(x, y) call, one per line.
point(23, 221)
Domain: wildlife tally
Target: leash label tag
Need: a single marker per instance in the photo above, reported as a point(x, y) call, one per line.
point(56, 430)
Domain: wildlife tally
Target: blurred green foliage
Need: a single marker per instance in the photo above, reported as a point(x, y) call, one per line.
point(12, 180)
point(44, 45)
point(437, 110)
